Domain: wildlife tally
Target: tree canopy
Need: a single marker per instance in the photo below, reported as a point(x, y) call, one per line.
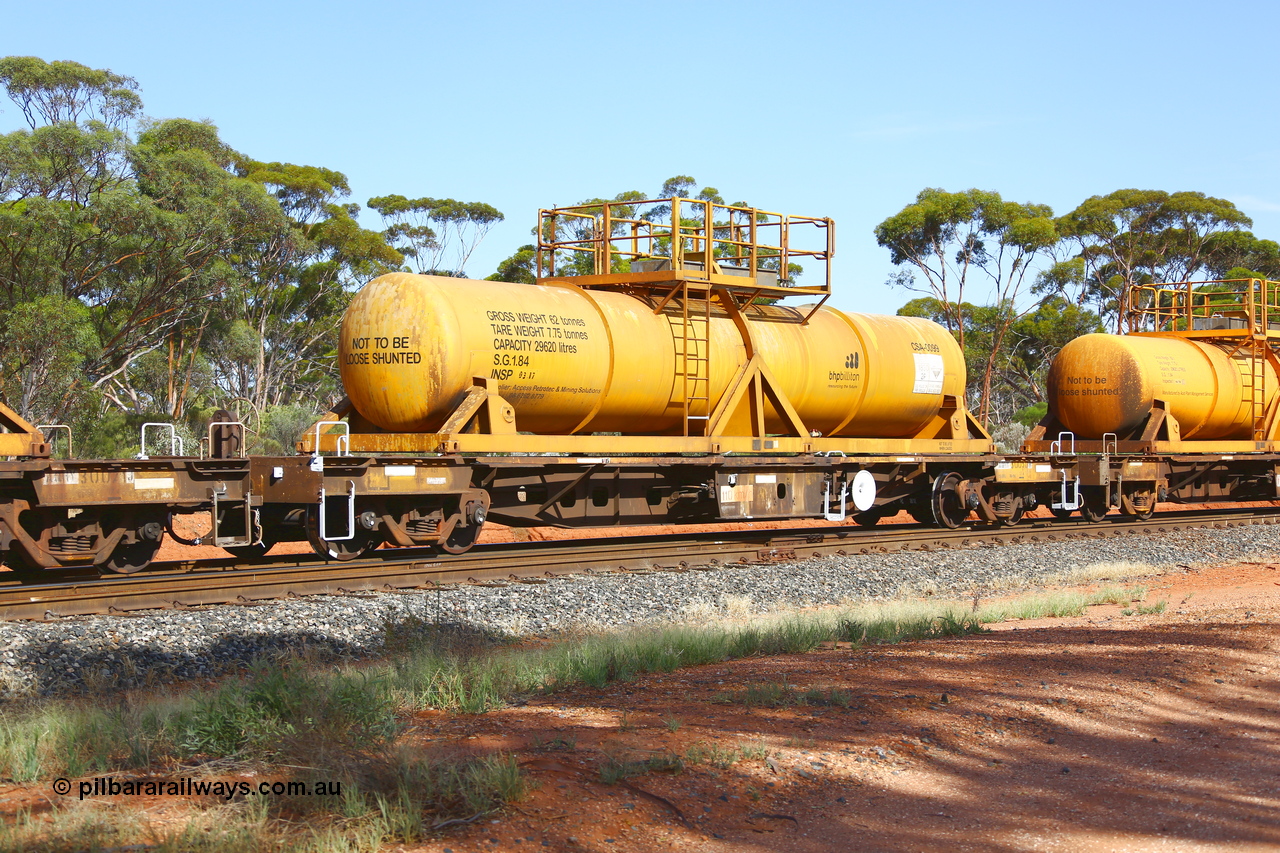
point(1132, 237)
point(953, 239)
point(972, 254)
point(423, 229)
point(148, 270)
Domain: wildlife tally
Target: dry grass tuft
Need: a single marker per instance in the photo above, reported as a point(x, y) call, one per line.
point(1119, 570)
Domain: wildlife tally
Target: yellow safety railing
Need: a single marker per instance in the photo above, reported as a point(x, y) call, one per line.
point(1240, 315)
point(689, 237)
point(1210, 309)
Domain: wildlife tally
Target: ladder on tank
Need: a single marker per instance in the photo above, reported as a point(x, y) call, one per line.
point(693, 338)
point(1264, 401)
point(1256, 380)
point(1253, 379)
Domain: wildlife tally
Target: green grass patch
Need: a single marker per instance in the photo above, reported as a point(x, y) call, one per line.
point(397, 799)
point(285, 711)
point(479, 680)
point(724, 757)
point(1148, 610)
point(897, 624)
point(1059, 604)
point(1056, 604)
point(1118, 595)
point(237, 828)
point(66, 738)
point(415, 794)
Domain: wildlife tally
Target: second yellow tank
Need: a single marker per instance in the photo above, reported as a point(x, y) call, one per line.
point(1103, 384)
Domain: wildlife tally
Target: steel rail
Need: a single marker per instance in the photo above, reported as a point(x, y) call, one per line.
point(188, 584)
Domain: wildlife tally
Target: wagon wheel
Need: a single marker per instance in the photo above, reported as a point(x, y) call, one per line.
point(460, 539)
point(129, 557)
point(362, 543)
point(1094, 508)
point(922, 514)
point(948, 509)
point(133, 557)
point(870, 518)
point(464, 527)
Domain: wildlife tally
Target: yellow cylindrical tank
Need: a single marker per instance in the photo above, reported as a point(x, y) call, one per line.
point(603, 361)
point(1107, 383)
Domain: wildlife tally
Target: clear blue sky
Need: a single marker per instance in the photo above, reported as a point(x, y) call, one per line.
point(842, 110)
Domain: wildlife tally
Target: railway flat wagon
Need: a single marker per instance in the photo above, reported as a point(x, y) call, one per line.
point(660, 382)
point(649, 376)
point(112, 513)
point(1183, 408)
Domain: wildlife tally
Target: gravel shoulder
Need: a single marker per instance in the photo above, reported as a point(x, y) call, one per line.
point(151, 649)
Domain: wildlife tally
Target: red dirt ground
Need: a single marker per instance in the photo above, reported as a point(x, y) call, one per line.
point(1099, 733)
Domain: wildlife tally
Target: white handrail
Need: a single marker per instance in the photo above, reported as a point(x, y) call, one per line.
point(175, 440)
point(1056, 447)
point(342, 443)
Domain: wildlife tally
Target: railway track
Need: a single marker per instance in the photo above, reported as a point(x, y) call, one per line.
point(199, 584)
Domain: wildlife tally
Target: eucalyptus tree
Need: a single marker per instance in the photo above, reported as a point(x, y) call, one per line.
point(962, 240)
point(50, 93)
point(1132, 237)
point(175, 270)
point(285, 291)
point(1239, 254)
point(438, 234)
point(131, 231)
point(521, 267)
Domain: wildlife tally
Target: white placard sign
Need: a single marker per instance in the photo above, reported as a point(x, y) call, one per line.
point(929, 373)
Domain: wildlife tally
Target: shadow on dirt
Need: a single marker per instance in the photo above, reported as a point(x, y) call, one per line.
point(1047, 738)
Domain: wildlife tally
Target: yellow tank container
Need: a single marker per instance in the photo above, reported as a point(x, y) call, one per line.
point(1107, 383)
point(600, 361)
